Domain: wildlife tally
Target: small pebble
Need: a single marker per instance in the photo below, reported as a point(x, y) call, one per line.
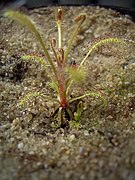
point(86, 133)
point(133, 123)
point(72, 137)
point(20, 146)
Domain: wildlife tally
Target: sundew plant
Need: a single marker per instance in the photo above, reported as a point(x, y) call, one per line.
point(62, 74)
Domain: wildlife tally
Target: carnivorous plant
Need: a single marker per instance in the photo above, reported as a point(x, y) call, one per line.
point(62, 73)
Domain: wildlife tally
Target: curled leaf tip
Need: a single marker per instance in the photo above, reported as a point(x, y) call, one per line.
point(59, 14)
point(81, 18)
point(53, 42)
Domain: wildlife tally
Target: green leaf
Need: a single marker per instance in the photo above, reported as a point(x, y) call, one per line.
point(79, 111)
point(100, 43)
point(93, 94)
point(34, 94)
point(76, 74)
point(42, 61)
point(26, 21)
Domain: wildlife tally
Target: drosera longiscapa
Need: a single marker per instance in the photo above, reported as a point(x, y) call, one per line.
point(63, 75)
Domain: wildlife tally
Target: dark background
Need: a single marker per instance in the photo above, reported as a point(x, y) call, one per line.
point(117, 3)
point(123, 6)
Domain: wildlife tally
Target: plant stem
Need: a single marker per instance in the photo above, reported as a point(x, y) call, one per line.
point(62, 89)
point(59, 16)
point(79, 19)
point(62, 97)
point(47, 55)
point(59, 35)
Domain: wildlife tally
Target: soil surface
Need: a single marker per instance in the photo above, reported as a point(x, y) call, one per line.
point(103, 145)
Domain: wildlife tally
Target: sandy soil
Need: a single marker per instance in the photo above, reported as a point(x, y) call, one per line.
point(103, 146)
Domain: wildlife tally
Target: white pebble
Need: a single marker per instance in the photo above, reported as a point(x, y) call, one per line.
point(86, 133)
point(72, 137)
point(133, 123)
point(20, 146)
